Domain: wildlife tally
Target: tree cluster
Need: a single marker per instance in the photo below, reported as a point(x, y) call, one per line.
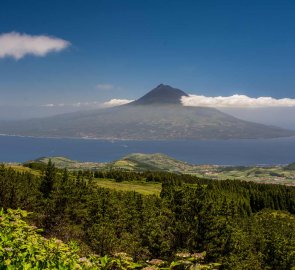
point(241, 225)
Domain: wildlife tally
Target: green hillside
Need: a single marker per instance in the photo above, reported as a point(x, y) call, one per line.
point(64, 162)
point(151, 162)
point(139, 162)
point(290, 167)
point(195, 223)
point(140, 186)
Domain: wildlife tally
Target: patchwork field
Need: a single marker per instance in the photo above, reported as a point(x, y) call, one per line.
point(140, 187)
point(138, 162)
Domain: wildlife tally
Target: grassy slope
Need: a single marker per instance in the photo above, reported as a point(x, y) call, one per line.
point(266, 175)
point(140, 187)
point(63, 162)
point(161, 162)
point(152, 162)
point(20, 168)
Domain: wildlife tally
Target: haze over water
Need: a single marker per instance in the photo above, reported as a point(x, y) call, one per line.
point(225, 152)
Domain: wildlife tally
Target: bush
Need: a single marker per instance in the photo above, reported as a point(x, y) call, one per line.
point(22, 247)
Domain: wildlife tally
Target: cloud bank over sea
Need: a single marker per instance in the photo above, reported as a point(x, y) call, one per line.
point(236, 101)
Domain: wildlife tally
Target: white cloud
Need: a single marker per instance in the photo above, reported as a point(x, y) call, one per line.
point(105, 86)
point(18, 45)
point(90, 104)
point(76, 104)
point(116, 102)
point(236, 101)
point(84, 104)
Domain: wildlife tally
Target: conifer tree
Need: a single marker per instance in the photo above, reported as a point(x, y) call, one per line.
point(46, 186)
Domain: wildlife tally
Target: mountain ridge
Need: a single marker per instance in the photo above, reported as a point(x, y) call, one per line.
point(158, 115)
point(162, 94)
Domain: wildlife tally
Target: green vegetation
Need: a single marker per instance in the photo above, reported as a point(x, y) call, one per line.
point(62, 162)
point(22, 247)
point(160, 162)
point(23, 168)
point(150, 162)
point(144, 188)
point(240, 225)
point(264, 175)
point(290, 167)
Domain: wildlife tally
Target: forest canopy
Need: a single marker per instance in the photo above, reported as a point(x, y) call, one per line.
point(240, 225)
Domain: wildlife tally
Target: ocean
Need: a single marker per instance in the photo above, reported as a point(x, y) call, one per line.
point(219, 152)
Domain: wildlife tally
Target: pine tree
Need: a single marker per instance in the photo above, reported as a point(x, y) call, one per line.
point(46, 186)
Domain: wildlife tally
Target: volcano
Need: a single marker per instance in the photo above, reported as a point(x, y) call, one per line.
point(161, 95)
point(158, 115)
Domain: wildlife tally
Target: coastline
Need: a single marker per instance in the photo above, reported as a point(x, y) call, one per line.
point(246, 152)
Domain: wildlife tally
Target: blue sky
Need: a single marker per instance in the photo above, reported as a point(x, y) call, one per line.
point(128, 47)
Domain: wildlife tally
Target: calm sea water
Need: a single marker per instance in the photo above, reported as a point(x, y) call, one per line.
point(230, 152)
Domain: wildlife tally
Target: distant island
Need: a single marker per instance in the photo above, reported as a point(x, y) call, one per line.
point(158, 115)
point(157, 162)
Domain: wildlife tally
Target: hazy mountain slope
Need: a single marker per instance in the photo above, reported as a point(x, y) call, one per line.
point(163, 119)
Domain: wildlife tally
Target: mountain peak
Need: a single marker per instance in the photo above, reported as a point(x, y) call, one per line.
point(162, 94)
